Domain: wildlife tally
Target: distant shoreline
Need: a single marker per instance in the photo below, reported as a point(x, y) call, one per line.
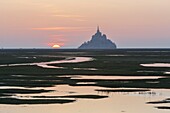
point(84, 49)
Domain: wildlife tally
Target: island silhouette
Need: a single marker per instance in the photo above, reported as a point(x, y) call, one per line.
point(98, 41)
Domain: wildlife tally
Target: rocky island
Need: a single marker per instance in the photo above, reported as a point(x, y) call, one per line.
point(98, 41)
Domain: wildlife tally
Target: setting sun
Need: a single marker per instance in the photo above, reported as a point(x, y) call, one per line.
point(56, 46)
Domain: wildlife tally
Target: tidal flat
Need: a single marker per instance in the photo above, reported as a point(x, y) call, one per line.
point(51, 77)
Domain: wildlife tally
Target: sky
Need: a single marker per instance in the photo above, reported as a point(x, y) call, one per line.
point(69, 23)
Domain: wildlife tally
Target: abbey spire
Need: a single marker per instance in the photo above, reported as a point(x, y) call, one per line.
point(98, 30)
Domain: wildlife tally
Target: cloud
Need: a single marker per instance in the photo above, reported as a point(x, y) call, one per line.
point(54, 43)
point(62, 28)
point(68, 16)
point(72, 17)
point(80, 20)
point(58, 35)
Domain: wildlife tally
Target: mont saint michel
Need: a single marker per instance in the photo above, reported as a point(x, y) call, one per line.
point(98, 41)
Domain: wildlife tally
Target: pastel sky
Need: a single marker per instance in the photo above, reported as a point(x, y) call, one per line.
point(68, 23)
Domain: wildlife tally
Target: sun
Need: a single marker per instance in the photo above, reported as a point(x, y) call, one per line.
point(56, 46)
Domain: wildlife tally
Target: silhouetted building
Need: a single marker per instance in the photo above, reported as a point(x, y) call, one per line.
point(98, 41)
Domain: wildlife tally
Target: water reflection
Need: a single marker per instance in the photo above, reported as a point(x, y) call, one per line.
point(156, 65)
point(100, 77)
point(47, 64)
point(117, 102)
point(90, 69)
